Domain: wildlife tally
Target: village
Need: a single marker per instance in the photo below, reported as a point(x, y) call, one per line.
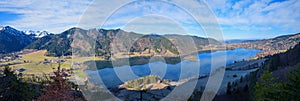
point(268, 47)
point(25, 64)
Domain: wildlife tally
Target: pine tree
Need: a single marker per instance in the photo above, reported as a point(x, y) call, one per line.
point(268, 88)
point(13, 88)
point(246, 88)
point(228, 91)
point(293, 85)
point(241, 79)
point(57, 89)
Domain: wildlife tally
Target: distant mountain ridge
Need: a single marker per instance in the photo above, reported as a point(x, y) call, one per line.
point(37, 34)
point(237, 40)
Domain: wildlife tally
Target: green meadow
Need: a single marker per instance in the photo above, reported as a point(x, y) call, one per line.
point(33, 63)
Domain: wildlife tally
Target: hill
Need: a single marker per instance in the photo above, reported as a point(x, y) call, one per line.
point(270, 46)
point(288, 58)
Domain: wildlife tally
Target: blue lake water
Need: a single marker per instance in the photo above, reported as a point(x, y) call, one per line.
point(208, 62)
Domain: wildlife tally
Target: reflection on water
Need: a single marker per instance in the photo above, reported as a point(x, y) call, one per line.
point(184, 69)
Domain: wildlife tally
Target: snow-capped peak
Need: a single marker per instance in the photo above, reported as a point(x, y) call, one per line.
point(11, 30)
point(1, 28)
point(29, 32)
point(37, 34)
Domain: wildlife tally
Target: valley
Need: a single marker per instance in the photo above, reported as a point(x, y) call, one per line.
point(45, 54)
point(149, 50)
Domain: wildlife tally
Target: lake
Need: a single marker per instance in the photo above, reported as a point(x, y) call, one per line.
point(112, 77)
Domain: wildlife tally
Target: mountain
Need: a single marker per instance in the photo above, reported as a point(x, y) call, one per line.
point(102, 39)
point(1, 28)
point(56, 44)
point(37, 34)
point(13, 40)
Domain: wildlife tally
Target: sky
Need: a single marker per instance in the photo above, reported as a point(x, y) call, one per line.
point(237, 19)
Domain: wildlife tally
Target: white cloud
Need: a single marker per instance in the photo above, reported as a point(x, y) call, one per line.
point(57, 15)
point(154, 24)
point(52, 15)
point(246, 15)
point(284, 15)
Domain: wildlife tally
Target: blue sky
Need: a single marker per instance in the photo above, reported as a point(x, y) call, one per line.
point(238, 19)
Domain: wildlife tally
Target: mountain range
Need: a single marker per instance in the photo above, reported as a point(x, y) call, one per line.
point(103, 42)
point(37, 34)
point(61, 44)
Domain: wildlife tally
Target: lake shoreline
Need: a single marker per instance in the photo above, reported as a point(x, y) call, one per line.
point(141, 60)
point(142, 69)
point(111, 80)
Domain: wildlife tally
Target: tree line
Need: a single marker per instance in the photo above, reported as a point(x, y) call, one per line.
point(55, 88)
point(269, 88)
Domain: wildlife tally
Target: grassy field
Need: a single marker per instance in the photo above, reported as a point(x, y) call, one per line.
point(37, 56)
point(34, 63)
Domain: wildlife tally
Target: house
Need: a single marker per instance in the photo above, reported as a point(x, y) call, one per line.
point(3, 60)
point(7, 58)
